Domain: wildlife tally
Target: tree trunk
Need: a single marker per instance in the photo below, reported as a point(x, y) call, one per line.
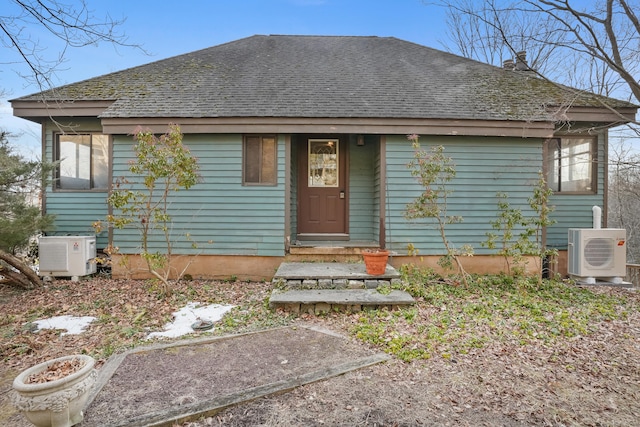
point(25, 276)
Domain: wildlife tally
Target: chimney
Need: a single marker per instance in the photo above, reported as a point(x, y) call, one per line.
point(521, 61)
point(508, 64)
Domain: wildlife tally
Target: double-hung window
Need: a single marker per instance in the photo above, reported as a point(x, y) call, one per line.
point(83, 161)
point(571, 164)
point(259, 157)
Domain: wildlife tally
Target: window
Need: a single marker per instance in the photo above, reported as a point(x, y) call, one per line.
point(323, 162)
point(259, 160)
point(571, 164)
point(83, 162)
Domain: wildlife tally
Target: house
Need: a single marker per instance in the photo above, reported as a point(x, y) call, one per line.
point(303, 150)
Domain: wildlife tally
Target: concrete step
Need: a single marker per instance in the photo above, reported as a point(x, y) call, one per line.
point(331, 275)
point(317, 301)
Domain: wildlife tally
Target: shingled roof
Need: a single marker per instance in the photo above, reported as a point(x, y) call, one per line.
point(323, 77)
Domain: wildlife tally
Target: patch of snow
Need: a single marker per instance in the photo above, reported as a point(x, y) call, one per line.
point(187, 316)
point(72, 324)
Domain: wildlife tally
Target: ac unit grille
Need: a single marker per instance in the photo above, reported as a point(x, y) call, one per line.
point(53, 256)
point(67, 255)
point(598, 252)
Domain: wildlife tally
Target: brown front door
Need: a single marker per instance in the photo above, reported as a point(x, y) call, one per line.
point(322, 188)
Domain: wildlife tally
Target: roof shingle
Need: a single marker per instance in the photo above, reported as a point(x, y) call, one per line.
point(323, 77)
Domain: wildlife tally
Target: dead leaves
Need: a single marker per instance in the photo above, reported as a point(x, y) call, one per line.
point(590, 379)
point(125, 310)
point(56, 371)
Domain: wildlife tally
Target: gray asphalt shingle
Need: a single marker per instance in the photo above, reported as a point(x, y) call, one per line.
point(323, 76)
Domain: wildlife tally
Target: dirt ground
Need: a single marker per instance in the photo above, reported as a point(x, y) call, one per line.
point(589, 380)
point(167, 381)
point(577, 383)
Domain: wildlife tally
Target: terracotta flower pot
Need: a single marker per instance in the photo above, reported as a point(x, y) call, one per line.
point(57, 403)
point(375, 261)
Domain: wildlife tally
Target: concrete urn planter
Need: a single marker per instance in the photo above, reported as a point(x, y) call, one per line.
point(57, 403)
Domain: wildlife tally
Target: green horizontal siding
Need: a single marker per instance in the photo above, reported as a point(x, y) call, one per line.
point(75, 211)
point(484, 167)
point(237, 219)
point(379, 188)
point(249, 220)
point(571, 211)
point(293, 183)
point(575, 210)
point(362, 185)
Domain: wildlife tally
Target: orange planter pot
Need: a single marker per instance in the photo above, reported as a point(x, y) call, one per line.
point(375, 262)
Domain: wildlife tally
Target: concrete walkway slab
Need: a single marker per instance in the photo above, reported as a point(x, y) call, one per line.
point(365, 297)
point(164, 384)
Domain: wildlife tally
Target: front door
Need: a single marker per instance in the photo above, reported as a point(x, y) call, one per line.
point(322, 189)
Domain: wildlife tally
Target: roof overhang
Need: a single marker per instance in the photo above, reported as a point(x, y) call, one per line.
point(334, 125)
point(40, 111)
point(603, 115)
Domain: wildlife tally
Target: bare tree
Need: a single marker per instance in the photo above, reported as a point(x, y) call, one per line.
point(66, 24)
point(592, 45)
point(487, 33)
point(624, 196)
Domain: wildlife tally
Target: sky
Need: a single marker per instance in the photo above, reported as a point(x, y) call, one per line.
point(168, 28)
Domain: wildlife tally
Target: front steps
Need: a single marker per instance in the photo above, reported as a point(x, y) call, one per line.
point(318, 301)
point(320, 287)
point(331, 275)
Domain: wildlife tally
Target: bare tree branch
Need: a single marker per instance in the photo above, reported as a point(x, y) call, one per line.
point(631, 15)
point(591, 48)
point(590, 45)
point(69, 21)
point(603, 43)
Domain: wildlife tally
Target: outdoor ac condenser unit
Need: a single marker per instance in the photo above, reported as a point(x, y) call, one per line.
point(67, 256)
point(597, 252)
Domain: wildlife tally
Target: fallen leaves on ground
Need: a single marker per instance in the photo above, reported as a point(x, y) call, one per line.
point(590, 379)
point(126, 311)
